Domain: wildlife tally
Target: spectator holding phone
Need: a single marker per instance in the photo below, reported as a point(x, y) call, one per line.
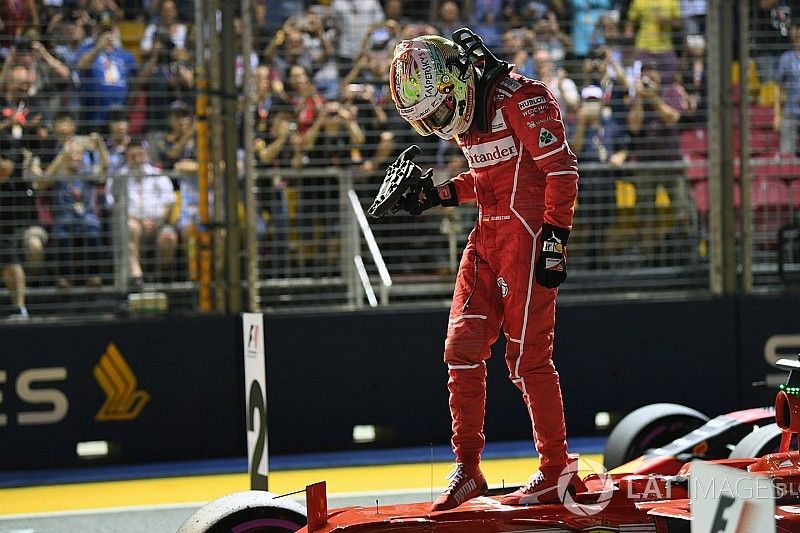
point(550, 37)
point(76, 227)
point(167, 76)
point(517, 49)
point(106, 73)
point(597, 139)
point(274, 148)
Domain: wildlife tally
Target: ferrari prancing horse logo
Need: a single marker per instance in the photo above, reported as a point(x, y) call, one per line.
point(503, 286)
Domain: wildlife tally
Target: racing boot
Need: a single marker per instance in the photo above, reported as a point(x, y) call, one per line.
point(466, 482)
point(548, 485)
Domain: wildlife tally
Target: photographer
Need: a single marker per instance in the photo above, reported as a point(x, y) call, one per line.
point(166, 77)
point(334, 140)
point(654, 114)
point(16, 18)
point(167, 25)
point(662, 199)
point(378, 138)
point(305, 41)
point(49, 76)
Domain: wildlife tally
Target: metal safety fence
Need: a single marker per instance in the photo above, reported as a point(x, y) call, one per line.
point(101, 244)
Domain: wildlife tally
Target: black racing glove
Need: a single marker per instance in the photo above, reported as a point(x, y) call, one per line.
point(424, 195)
point(551, 267)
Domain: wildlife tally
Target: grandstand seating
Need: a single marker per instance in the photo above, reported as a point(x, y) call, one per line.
point(794, 191)
point(775, 185)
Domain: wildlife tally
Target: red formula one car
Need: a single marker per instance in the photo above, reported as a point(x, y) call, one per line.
point(663, 490)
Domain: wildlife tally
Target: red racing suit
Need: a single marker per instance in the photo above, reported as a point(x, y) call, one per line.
point(522, 173)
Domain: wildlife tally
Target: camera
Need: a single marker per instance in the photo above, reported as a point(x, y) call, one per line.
point(380, 38)
point(164, 38)
point(167, 46)
point(22, 45)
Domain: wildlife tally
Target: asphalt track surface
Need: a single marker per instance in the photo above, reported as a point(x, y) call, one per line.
point(161, 504)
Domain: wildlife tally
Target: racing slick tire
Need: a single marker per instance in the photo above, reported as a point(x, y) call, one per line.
point(762, 441)
point(649, 427)
point(252, 510)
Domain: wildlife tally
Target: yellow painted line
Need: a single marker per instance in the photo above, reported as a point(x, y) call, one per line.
point(175, 490)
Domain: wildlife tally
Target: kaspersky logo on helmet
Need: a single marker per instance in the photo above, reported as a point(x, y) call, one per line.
point(426, 66)
point(487, 154)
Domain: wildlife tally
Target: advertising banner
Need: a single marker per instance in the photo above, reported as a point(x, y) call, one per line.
point(140, 391)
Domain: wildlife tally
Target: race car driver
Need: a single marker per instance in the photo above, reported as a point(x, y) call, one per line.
point(523, 176)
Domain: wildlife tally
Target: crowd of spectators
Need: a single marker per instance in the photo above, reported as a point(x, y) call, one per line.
point(79, 108)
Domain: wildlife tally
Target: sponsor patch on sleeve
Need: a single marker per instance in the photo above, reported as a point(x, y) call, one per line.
point(536, 123)
point(546, 138)
point(498, 123)
point(535, 110)
point(511, 84)
point(530, 102)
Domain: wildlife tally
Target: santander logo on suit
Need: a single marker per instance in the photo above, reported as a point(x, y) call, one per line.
point(490, 153)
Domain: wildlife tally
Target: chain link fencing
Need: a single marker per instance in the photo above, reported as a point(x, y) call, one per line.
point(633, 94)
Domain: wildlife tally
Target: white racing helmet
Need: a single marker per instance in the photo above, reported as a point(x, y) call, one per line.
point(433, 86)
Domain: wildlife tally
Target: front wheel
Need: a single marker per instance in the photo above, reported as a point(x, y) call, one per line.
point(252, 511)
point(648, 427)
point(762, 441)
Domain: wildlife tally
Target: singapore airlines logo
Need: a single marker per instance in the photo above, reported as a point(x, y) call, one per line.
point(115, 377)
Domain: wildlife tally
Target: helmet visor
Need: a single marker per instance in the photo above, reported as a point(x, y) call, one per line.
point(439, 118)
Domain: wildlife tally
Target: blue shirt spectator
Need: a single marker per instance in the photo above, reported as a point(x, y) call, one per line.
point(585, 14)
point(106, 70)
point(278, 11)
point(788, 76)
point(486, 19)
point(597, 137)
